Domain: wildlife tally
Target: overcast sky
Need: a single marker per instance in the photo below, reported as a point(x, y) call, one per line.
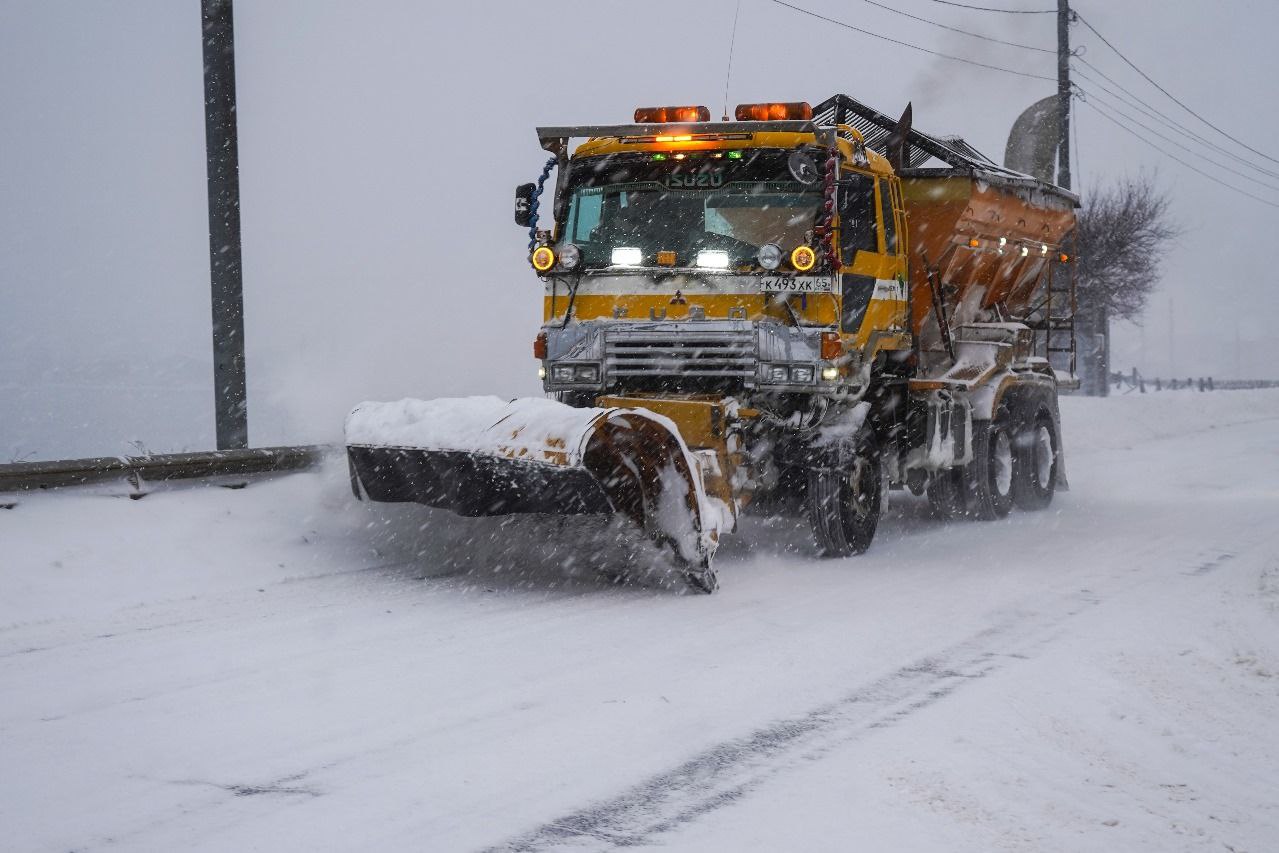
point(380, 142)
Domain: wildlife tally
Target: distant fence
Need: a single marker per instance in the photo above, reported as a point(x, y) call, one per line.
point(1128, 382)
point(138, 470)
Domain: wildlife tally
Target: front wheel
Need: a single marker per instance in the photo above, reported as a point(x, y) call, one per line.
point(845, 498)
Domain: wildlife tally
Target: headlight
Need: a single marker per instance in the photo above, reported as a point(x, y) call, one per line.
point(801, 374)
point(769, 256)
point(627, 256)
point(713, 259)
point(570, 256)
point(777, 373)
point(541, 373)
point(575, 373)
point(542, 258)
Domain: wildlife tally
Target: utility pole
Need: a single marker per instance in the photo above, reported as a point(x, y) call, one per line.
point(1063, 93)
point(1096, 321)
point(230, 394)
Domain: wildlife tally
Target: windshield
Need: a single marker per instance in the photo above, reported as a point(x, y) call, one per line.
point(677, 209)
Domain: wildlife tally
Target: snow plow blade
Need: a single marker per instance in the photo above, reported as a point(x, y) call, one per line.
point(483, 456)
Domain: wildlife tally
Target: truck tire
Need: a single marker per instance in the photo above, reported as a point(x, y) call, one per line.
point(1035, 464)
point(845, 498)
point(946, 494)
point(988, 479)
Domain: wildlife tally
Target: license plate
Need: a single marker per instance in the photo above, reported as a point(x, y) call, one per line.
point(791, 284)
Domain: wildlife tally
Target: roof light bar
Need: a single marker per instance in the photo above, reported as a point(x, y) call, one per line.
point(665, 115)
point(793, 110)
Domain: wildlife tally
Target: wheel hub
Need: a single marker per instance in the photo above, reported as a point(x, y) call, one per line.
point(862, 487)
point(1001, 458)
point(1044, 456)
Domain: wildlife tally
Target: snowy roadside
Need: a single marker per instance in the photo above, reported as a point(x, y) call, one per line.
point(209, 669)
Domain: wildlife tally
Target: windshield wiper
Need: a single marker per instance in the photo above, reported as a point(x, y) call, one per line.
point(572, 297)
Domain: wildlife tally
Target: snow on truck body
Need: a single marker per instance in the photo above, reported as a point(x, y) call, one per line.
point(784, 313)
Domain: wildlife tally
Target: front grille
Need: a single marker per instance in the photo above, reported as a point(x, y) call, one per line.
point(683, 351)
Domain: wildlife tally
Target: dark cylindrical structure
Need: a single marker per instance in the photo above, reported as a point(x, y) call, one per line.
point(1063, 92)
point(229, 386)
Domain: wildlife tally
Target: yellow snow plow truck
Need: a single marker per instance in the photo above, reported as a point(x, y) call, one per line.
point(792, 312)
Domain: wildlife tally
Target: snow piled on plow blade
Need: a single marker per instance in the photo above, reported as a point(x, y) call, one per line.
point(488, 456)
point(528, 427)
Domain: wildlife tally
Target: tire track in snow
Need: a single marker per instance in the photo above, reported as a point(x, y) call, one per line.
point(724, 773)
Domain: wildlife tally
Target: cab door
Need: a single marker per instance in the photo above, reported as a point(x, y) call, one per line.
point(872, 256)
point(859, 242)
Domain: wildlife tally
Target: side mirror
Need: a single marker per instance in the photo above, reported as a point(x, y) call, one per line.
point(524, 204)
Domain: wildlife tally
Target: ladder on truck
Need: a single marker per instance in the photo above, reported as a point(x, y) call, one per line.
point(1053, 319)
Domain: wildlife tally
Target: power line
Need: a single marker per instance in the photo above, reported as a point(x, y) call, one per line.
point(1155, 115)
point(1177, 144)
point(1170, 95)
point(913, 46)
point(1095, 108)
point(958, 30)
point(1005, 11)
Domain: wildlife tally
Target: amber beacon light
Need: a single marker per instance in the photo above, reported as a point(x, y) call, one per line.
point(803, 258)
point(543, 258)
point(792, 111)
point(667, 115)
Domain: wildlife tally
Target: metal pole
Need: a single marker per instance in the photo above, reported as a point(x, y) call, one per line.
point(230, 395)
point(1063, 93)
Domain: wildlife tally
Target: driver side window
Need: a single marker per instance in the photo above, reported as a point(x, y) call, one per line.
point(585, 217)
point(857, 221)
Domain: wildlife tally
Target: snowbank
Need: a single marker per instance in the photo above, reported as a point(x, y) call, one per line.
point(1127, 420)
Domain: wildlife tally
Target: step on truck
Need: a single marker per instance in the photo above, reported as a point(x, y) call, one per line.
point(793, 312)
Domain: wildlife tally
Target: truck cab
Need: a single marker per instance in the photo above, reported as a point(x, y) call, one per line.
point(731, 260)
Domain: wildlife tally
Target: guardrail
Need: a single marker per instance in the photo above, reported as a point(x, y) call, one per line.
point(1127, 382)
point(27, 476)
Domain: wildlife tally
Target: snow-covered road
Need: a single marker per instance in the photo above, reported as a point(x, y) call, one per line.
point(279, 668)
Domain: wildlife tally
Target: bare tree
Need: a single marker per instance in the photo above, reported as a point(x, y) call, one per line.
point(1124, 229)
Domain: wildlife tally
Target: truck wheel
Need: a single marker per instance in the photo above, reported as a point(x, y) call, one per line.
point(946, 493)
point(988, 479)
point(845, 500)
point(1035, 465)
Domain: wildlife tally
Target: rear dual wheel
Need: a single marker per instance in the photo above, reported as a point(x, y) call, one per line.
point(1035, 463)
point(988, 479)
point(946, 493)
point(1010, 467)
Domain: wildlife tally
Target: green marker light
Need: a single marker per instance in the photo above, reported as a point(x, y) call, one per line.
point(735, 155)
point(659, 156)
